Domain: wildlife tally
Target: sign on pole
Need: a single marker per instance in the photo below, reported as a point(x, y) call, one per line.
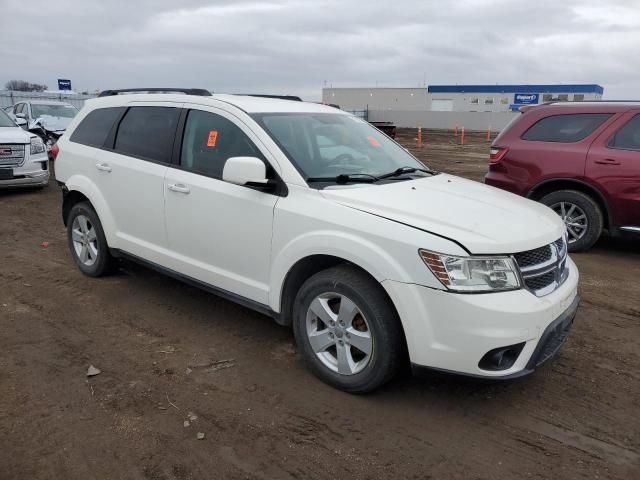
point(64, 84)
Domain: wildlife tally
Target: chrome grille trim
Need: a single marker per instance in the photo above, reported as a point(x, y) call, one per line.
point(12, 154)
point(544, 277)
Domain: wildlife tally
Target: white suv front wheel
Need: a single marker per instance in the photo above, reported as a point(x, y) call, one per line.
point(347, 329)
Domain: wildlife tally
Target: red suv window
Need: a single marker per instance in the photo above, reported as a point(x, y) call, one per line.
point(628, 137)
point(567, 128)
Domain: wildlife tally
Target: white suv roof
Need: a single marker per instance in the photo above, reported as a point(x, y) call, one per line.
point(245, 102)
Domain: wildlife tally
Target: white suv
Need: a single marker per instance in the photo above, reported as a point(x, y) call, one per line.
point(312, 216)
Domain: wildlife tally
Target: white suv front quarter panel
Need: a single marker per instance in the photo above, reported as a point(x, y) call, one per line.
point(306, 224)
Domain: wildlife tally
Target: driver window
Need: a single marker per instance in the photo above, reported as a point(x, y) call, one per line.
point(209, 140)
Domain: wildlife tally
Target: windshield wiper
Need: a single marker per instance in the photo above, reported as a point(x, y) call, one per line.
point(346, 178)
point(403, 170)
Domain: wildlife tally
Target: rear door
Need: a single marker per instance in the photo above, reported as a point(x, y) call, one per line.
point(218, 232)
point(613, 164)
point(543, 146)
point(130, 173)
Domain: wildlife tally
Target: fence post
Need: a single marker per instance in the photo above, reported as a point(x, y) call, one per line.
point(489, 134)
point(462, 136)
point(419, 137)
point(455, 130)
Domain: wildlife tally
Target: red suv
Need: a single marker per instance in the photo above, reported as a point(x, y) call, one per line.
point(580, 159)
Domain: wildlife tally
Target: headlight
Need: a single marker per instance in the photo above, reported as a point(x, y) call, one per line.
point(472, 274)
point(36, 146)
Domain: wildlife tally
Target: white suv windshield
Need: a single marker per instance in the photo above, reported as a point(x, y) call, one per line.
point(66, 111)
point(332, 144)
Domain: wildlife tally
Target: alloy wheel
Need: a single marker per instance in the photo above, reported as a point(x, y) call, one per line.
point(85, 240)
point(339, 333)
point(574, 218)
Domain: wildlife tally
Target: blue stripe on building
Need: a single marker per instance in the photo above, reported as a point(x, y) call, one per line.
point(569, 88)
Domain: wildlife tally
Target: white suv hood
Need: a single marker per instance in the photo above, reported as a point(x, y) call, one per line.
point(14, 135)
point(481, 218)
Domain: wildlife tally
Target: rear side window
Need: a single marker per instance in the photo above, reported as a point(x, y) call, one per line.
point(95, 127)
point(148, 132)
point(628, 137)
point(565, 128)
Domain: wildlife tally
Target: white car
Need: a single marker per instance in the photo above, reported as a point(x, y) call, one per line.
point(23, 159)
point(373, 259)
point(46, 118)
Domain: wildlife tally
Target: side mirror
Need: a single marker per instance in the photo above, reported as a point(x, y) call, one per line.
point(249, 171)
point(21, 119)
point(21, 115)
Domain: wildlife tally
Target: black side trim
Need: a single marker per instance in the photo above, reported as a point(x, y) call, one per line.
point(412, 226)
point(422, 371)
point(560, 326)
point(239, 299)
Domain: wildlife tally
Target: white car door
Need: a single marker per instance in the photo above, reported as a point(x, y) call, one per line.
point(129, 173)
point(218, 233)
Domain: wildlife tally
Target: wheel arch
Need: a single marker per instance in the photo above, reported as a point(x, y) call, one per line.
point(308, 266)
point(78, 189)
point(553, 185)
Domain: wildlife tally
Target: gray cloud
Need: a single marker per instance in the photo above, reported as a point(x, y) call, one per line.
point(286, 46)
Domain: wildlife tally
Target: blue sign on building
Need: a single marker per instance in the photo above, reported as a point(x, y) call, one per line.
point(64, 84)
point(525, 98)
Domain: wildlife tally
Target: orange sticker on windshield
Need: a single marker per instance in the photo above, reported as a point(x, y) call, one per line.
point(213, 138)
point(373, 141)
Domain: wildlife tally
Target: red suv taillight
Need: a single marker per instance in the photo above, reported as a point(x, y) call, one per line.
point(496, 154)
point(54, 150)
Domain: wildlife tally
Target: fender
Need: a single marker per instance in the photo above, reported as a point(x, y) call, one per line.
point(349, 247)
point(89, 189)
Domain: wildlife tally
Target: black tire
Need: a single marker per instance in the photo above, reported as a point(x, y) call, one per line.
point(104, 263)
point(388, 344)
point(591, 210)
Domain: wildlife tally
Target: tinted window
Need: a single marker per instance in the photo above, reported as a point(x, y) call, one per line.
point(95, 127)
point(209, 140)
point(628, 137)
point(148, 132)
point(565, 128)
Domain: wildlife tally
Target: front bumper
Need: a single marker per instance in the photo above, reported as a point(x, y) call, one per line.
point(33, 173)
point(453, 332)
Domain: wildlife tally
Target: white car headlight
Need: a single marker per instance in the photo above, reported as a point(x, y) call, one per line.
point(473, 274)
point(37, 146)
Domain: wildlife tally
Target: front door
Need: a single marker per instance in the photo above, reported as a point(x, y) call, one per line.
point(218, 232)
point(613, 163)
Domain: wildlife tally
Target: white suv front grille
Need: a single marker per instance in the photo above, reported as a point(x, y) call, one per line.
point(544, 269)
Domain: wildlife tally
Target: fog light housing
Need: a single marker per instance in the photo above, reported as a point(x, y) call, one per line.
point(501, 358)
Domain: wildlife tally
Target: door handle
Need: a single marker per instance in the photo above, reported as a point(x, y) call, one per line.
point(104, 167)
point(178, 187)
point(607, 161)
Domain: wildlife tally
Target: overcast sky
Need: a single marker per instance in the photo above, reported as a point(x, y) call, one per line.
point(293, 47)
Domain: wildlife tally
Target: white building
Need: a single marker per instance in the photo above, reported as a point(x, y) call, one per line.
point(476, 107)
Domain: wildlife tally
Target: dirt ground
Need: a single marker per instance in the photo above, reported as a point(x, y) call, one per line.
point(170, 353)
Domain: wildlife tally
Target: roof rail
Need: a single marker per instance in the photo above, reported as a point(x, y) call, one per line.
point(281, 97)
point(554, 102)
point(201, 92)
